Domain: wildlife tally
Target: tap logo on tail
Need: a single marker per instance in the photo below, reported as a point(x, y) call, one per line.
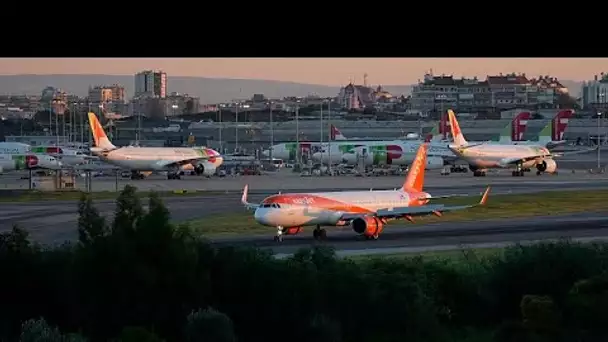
point(560, 123)
point(520, 123)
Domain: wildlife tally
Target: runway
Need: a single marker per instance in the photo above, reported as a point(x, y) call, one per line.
point(440, 236)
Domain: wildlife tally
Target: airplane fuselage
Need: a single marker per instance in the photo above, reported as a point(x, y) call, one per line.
point(492, 155)
point(155, 158)
point(326, 209)
point(13, 162)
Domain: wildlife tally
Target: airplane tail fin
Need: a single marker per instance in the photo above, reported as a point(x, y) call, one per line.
point(459, 139)
point(544, 136)
point(519, 125)
point(336, 134)
point(99, 135)
point(506, 134)
point(433, 135)
point(415, 177)
point(560, 123)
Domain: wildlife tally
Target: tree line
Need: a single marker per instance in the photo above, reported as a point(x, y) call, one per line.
point(139, 277)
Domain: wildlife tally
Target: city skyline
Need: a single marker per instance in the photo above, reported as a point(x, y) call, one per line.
point(321, 71)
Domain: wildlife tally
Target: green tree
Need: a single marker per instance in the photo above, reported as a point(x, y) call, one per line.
point(540, 315)
point(91, 225)
point(324, 329)
point(209, 325)
point(38, 330)
point(128, 211)
point(16, 241)
point(587, 305)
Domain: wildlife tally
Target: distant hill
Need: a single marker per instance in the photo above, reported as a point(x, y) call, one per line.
point(209, 90)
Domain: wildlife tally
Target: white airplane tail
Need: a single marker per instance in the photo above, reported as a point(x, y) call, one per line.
point(457, 135)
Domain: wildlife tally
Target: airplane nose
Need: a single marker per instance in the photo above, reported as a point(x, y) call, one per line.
point(266, 153)
point(260, 216)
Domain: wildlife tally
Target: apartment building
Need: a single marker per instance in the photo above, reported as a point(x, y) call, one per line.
point(109, 97)
point(437, 93)
point(594, 93)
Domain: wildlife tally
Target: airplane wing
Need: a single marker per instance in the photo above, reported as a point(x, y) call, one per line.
point(250, 206)
point(162, 164)
point(424, 210)
point(446, 196)
point(569, 153)
point(510, 161)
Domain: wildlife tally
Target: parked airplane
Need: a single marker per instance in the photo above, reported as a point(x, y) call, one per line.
point(142, 159)
point(483, 156)
point(365, 211)
point(67, 156)
point(402, 152)
point(14, 162)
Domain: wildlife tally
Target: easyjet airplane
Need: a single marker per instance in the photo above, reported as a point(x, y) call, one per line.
point(365, 211)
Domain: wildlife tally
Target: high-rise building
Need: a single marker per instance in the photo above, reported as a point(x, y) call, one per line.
point(151, 83)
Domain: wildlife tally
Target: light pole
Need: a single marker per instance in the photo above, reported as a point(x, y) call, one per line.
point(219, 118)
point(330, 133)
point(271, 133)
point(298, 149)
point(599, 142)
point(236, 128)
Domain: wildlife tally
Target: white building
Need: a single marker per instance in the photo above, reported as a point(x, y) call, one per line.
point(594, 94)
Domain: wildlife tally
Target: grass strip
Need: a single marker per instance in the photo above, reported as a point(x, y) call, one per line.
point(497, 207)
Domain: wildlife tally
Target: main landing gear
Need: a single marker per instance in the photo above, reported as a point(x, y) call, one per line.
point(479, 173)
point(174, 174)
point(136, 175)
point(319, 233)
point(519, 172)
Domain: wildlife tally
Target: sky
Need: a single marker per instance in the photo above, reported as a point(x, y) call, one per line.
point(324, 71)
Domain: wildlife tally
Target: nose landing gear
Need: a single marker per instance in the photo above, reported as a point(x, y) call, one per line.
point(279, 236)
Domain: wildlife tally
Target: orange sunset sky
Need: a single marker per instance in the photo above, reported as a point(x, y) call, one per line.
point(326, 71)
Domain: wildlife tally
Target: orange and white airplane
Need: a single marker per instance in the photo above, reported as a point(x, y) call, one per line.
point(365, 211)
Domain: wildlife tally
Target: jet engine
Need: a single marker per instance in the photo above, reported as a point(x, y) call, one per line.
point(433, 163)
point(547, 165)
point(205, 168)
point(292, 230)
point(368, 226)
